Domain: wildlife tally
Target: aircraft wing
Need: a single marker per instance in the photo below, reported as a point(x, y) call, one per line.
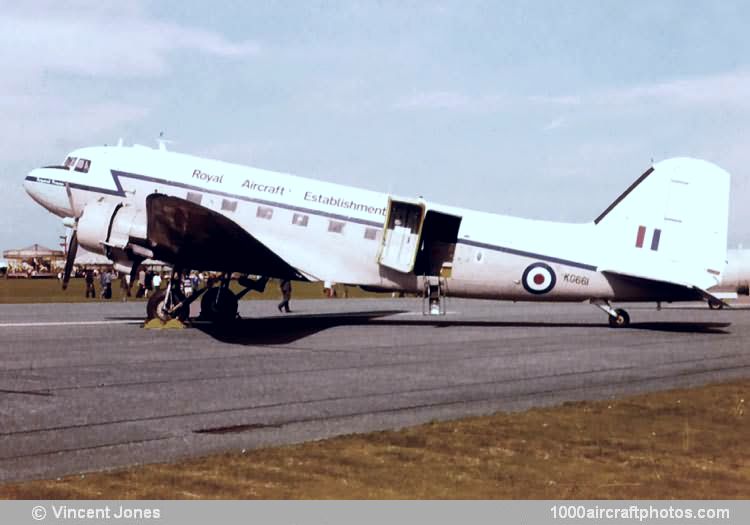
point(186, 234)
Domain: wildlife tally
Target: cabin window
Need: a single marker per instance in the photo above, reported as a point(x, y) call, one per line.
point(70, 162)
point(228, 205)
point(336, 226)
point(300, 219)
point(264, 212)
point(83, 165)
point(371, 233)
point(194, 197)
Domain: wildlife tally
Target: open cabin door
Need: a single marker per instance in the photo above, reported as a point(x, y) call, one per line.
point(417, 240)
point(437, 244)
point(403, 227)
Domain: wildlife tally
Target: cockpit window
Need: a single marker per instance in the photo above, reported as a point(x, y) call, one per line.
point(83, 165)
point(70, 162)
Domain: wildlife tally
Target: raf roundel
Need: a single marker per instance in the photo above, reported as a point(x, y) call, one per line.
point(539, 278)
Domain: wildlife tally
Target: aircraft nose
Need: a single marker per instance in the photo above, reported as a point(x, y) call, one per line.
point(49, 193)
point(29, 186)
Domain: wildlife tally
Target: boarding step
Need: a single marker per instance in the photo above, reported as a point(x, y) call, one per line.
point(434, 297)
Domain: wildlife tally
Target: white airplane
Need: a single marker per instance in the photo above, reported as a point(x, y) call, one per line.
point(658, 241)
point(735, 280)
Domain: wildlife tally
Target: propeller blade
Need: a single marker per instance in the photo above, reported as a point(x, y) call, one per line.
point(72, 250)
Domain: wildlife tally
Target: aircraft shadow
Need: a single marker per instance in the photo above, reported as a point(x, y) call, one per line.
point(282, 330)
point(686, 327)
point(279, 330)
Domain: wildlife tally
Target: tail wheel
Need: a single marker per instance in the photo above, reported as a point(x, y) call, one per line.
point(157, 307)
point(713, 304)
point(621, 320)
point(219, 305)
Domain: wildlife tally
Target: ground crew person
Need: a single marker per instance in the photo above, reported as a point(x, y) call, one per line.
point(286, 294)
point(124, 286)
point(90, 289)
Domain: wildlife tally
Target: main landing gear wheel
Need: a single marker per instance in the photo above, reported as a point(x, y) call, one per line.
point(620, 320)
point(219, 304)
point(158, 308)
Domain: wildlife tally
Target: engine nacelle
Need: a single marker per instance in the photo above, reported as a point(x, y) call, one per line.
point(116, 230)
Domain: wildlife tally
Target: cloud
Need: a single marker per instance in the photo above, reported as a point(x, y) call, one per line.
point(433, 100)
point(110, 42)
point(554, 124)
point(450, 100)
point(725, 90)
point(728, 89)
point(64, 126)
point(75, 72)
point(557, 100)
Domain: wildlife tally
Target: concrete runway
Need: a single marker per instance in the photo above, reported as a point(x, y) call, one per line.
point(83, 387)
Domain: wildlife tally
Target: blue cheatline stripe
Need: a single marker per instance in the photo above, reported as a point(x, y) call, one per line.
point(117, 193)
point(655, 240)
point(530, 255)
point(45, 181)
point(121, 193)
point(118, 174)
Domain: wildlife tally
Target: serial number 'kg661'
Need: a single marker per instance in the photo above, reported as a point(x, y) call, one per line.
point(576, 279)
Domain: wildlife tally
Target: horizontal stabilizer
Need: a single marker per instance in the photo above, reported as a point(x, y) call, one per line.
point(715, 298)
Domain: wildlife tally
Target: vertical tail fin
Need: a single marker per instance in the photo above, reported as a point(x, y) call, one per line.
point(670, 224)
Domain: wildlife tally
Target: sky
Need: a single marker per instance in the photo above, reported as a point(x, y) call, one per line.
point(544, 109)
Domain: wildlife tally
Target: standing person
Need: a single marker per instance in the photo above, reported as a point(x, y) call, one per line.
point(286, 294)
point(107, 284)
point(156, 282)
point(187, 285)
point(149, 282)
point(90, 288)
point(124, 286)
point(141, 283)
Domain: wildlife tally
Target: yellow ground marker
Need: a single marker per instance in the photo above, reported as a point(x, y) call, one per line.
point(158, 324)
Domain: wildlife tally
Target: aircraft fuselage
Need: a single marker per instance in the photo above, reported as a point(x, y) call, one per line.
point(335, 233)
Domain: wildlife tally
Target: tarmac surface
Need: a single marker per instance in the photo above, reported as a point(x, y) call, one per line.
point(83, 387)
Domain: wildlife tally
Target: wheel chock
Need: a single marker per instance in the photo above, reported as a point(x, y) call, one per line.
point(158, 324)
point(174, 324)
point(153, 324)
